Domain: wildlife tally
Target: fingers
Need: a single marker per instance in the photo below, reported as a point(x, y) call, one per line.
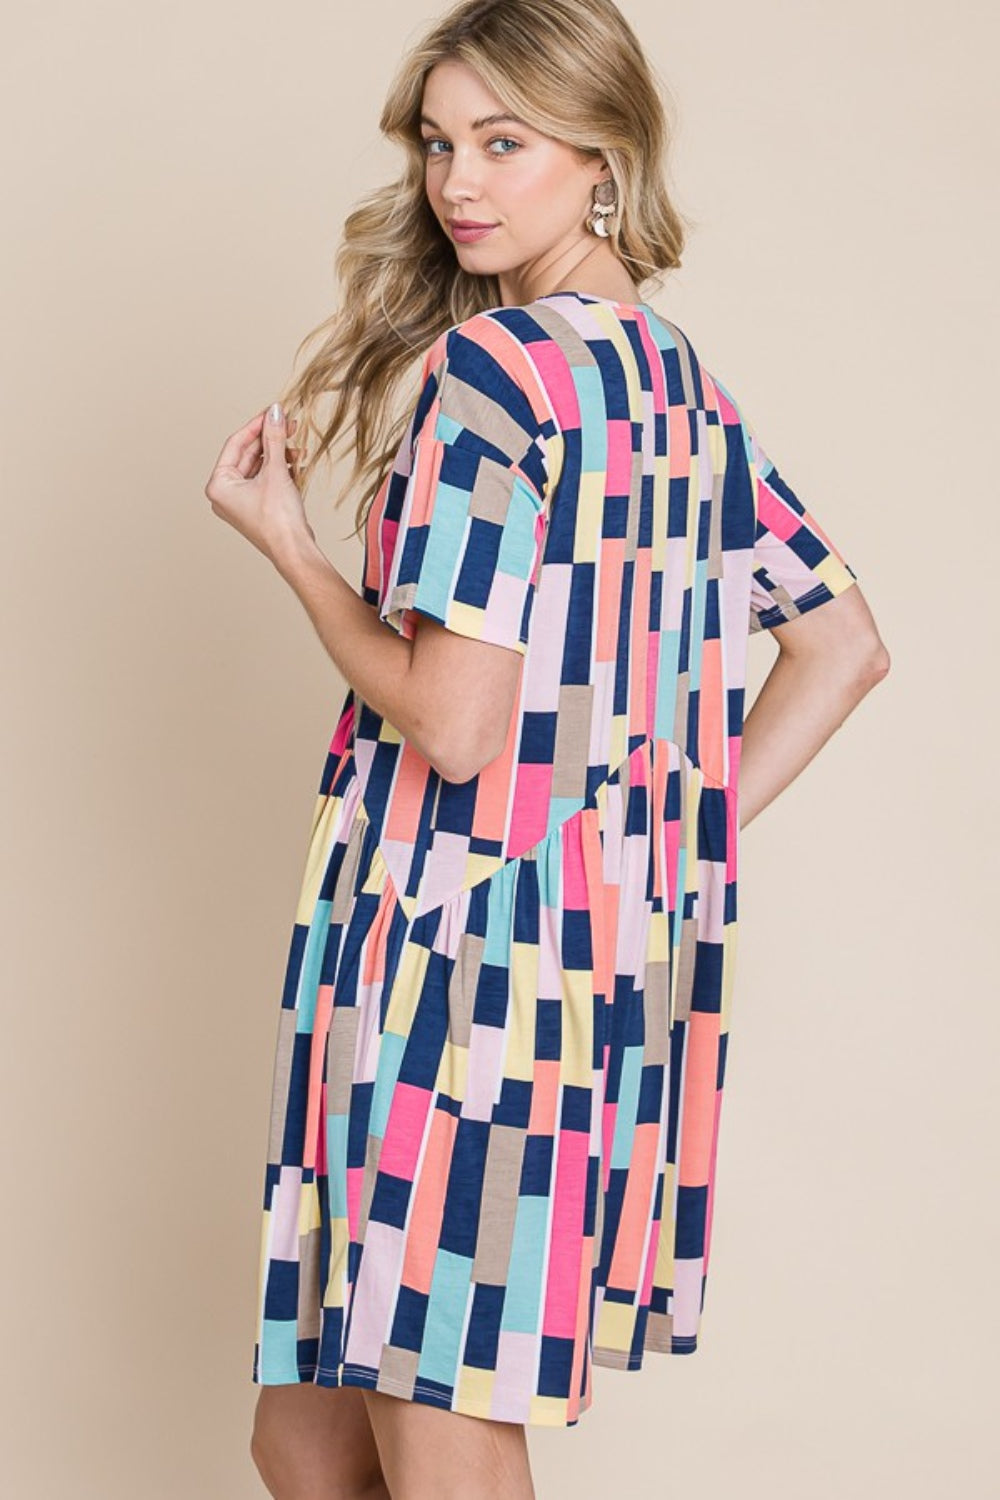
point(236, 444)
point(274, 434)
point(254, 456)
point(243, 450)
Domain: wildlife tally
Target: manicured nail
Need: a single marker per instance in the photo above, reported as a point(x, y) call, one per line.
point(275, 412)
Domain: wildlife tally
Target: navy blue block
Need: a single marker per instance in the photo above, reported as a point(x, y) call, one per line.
point(614, 1198)
point(429, 1026)
point(331, 1334)
point(293, 965)
point(577, 942)
point(556, 1366)
point(460, 1224)
point(298, 1090)
point(538, 737)
point(479, 559)
point(409, 1318)
point(692, 1203)
point(576, 1107)
point(483, 1337)
point(633, 1007)
point(536, 1168)
point(637, 811)
point(650, 1094)
point(358, 1118)
point(281, 1293)
point(390, 1199)
point(712, 824)
point(456, 801)
point(514, 1105)
point(593, 1189)
point(492, 996)
point(720, 1071)
point(307, 1354)
point(706, 982)
point(527, 908)
point(636, 1350)
point(678, 1043)
point(548, 1030)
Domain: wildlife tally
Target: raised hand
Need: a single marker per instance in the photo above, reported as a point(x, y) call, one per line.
point(251, 487)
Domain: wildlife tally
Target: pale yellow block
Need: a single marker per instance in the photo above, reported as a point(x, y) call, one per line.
point(618, 740)
point(479, 866)
point(589, 508)
point(523, 965)
point(577, 1053)
point(321, 808)
point(453, 1071)
point(555, 457)
point(692, 873)
point(325, 817)
point(465, 618)
point(659, 928)
point(636, 394)
point(519, 1057)
point(661, 510)
point(614, 331)
point(520, 1054)
point(716, 435)
point(615, 1325)
point(309, 1215)
point(663, 1274)
point(475, 1386)
point(833, 573)
point(548, 1411)
point(693, 499)
point(374, 880)
point(334, 1293)
point(388, 733)
point(409, 905)
point(407, 988)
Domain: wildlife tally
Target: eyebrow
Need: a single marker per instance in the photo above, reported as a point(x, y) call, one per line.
point(497, 119)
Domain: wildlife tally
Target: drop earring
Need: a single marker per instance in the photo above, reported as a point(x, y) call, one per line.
point(605, 204)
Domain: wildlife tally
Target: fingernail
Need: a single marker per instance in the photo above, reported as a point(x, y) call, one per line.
point(274, 412)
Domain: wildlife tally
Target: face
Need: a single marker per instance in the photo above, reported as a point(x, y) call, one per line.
point(483, 166)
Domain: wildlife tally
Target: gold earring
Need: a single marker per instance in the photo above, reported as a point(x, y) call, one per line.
point(605, 204)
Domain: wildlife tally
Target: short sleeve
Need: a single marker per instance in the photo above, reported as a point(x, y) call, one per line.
point(795, 564)
point(472, 516)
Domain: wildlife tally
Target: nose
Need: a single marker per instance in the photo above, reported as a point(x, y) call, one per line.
point(460, 184)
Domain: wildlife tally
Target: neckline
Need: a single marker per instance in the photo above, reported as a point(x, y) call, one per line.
point(593, 297)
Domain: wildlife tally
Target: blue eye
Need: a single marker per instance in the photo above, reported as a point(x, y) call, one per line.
point(433, 140)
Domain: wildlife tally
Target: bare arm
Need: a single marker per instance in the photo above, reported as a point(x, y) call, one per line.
point(828, 660)
point(451, 697)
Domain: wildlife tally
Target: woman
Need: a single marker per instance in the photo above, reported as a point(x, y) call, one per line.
point(503, 1034)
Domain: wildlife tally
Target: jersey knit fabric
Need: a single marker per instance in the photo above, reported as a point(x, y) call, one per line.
point(502, 1038)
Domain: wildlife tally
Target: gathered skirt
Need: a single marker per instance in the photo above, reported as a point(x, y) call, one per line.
point(494, 1125)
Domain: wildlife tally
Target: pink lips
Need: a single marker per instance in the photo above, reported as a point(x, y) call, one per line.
point(465, 231)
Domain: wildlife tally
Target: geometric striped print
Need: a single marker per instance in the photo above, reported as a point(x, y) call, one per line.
point(502, 1038)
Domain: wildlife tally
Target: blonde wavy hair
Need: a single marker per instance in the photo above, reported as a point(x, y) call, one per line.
point(575, 71)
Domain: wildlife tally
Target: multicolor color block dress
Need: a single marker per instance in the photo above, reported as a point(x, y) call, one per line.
point(503, 1033)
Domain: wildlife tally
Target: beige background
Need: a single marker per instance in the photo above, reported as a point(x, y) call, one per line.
point(175, 179)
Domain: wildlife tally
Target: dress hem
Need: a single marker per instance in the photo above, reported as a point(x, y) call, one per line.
point(354, 1375)
point(351, 1375)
